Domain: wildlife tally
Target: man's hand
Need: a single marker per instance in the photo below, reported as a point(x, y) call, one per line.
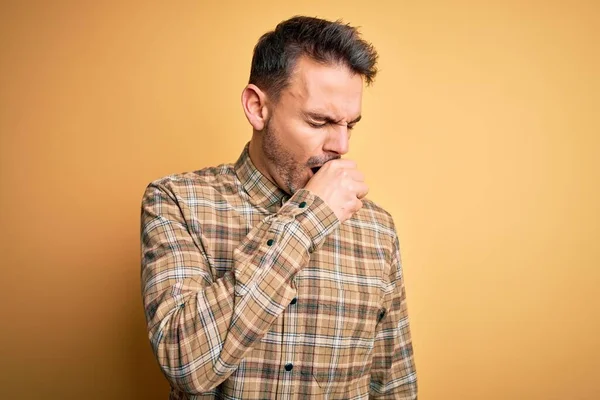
point(341, 186)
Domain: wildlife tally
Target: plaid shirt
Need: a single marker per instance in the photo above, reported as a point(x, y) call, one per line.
point(252, 294)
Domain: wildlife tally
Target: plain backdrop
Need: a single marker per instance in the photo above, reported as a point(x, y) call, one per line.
point(480, 136)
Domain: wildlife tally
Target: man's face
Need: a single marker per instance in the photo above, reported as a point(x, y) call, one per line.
point(311, 122)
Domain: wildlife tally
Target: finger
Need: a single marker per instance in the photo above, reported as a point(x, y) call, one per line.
point(361, 190)
point(358, 205)
point(342, 163)
point(356, 175)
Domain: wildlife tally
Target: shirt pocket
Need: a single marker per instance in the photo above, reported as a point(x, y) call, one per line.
point(345, 334)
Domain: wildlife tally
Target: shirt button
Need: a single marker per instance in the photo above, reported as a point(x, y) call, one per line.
point(270, 242)
point(381, 315)
point(289, 366)
point(302, 205)
point(294, 300)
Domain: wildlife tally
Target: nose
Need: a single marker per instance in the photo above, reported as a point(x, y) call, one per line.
point(338, 140)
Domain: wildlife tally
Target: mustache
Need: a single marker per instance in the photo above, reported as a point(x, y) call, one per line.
point(318, 161)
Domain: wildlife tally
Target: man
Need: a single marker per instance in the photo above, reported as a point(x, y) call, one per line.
point(275, 278)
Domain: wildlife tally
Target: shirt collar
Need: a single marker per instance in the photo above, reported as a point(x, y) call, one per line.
point(262, 192)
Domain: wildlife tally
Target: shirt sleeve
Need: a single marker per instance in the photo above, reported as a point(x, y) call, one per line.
point(393, 373)
point(201, 328)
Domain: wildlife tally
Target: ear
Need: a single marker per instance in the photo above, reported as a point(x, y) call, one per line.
point(254, 103)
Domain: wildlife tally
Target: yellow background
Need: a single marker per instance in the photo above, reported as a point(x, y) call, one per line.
point(480, 136)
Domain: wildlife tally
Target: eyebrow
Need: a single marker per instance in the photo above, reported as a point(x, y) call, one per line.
point(326, 118)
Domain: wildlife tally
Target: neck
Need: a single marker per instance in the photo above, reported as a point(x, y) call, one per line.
point(257, 157)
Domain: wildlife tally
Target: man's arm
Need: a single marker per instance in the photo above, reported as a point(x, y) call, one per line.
point(393, 374)
point(201, 328)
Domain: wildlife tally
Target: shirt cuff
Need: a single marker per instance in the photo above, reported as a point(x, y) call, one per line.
point(315, 217)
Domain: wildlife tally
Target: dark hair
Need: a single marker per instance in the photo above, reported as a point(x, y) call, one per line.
point(276, 52)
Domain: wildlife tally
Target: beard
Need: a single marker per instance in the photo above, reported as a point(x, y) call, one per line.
point(293, 174)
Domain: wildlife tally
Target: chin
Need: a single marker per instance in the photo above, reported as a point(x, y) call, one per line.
point(305, 181)
point(293, 185)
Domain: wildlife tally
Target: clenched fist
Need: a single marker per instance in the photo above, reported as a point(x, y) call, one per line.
point(341, 186)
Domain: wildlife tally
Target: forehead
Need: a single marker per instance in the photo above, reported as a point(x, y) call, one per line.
point(331, 88)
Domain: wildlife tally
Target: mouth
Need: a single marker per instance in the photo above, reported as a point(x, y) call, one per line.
point(315, 169)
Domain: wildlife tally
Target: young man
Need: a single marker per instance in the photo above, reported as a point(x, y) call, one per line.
point(274, 277)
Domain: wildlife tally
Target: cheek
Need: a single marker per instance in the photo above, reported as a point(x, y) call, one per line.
point(302, 140)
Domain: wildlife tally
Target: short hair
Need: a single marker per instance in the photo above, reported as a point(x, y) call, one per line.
point(276, 53)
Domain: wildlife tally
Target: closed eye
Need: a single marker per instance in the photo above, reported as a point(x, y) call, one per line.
point(316, 125)
point(319, 120)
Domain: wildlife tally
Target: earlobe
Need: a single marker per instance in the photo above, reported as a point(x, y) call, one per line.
point(255, 107)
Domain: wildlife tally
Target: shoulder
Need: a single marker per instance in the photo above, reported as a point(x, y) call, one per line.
point(377, 217)
point(375, 227)
point(207, 183)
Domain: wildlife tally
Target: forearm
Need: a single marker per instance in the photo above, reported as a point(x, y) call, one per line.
point(393, 373)
point(201, 330)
